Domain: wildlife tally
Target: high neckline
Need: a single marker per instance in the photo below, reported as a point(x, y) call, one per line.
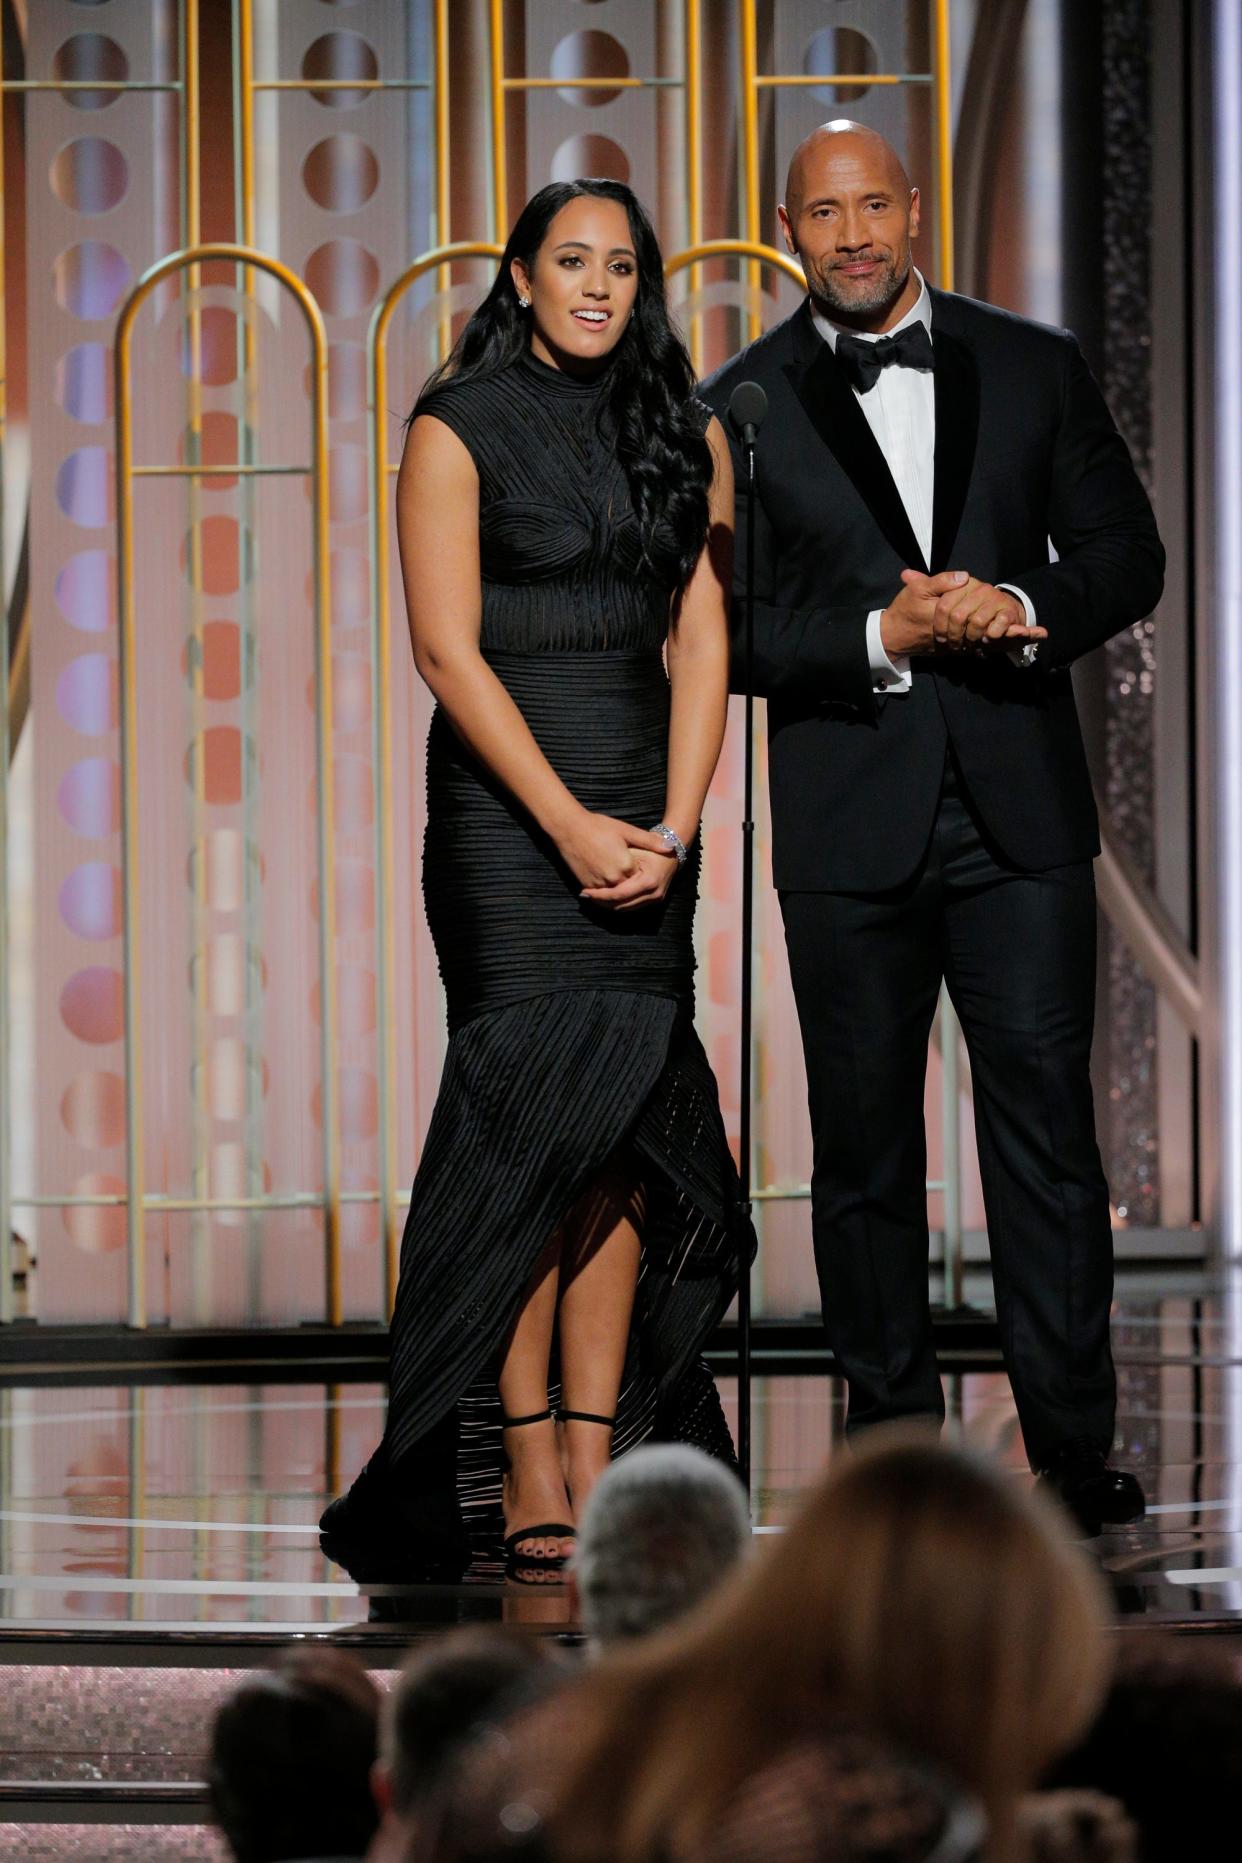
point(560, 380)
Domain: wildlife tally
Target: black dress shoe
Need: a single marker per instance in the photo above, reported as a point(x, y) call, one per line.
point(1095, 1494)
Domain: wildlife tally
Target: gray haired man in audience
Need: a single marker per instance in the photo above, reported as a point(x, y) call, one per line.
point(662, 1527)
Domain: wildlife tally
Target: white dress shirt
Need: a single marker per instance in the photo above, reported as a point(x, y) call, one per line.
point(900, 407)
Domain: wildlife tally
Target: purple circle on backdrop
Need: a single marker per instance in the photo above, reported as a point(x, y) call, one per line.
point(84, 382)
point(83, 482)
point(90, 55)
point(89, 175)
point(86, 693)
point(89, 796)
point(86, 591)
point(90, 900)
point(90, 278)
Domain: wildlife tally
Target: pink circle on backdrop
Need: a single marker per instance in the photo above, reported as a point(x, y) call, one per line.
point(340, 55)
point(84, 486)
point(91, 900)
point(341, 174)
point(344, 276)
point(89, 796)
point(92, 1108)
point(92, 1004)
point(351, 692)
point(217, 353)
point(221, 858)
point(102, 1230)
point(355, 898)
point(86, 694)
point(86, 591)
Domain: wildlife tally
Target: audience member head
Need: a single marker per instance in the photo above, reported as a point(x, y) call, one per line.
point(446, 1695)
point(1168, 1744)
point(661, 1528)
point(919, 1594)
point(290, 1762)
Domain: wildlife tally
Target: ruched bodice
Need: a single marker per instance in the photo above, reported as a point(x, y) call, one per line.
point(560, 547)
point(571, 1026)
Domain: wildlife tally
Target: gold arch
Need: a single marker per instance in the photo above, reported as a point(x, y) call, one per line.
point(136, 1200)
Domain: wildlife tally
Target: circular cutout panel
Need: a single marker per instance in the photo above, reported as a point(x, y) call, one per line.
point(214, 761)
point(91, 900)
point(344, 277)
point(86, 694)
point(92, 1108)
point(90, 279)
point(340, 55)
point(85, 591)
point(215, 444)
point(218, 655)
point(840, 49)
point(96, 1231)
point(590, 54)
point(87, 56)
point(341, 174)
point(89, 797)
point(596, 156)
point(92, 1004)
point(83, 382)
point(225, 556)
point(84, 486)
point(89, 175)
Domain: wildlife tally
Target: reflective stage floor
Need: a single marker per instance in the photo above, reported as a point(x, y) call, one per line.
point(155, 1538)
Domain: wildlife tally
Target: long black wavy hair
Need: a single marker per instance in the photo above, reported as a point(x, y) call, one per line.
point(666, 459)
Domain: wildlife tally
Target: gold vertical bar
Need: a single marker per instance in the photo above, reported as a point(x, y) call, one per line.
point(441, 55)
point(750, 150)
point(500, 176)
point(6, 1093)
point(381, 752)
point(944, 144)
point(326, 791)
point(244, 114)
point(694, 160)
point(134, 1162)
point(192, 233)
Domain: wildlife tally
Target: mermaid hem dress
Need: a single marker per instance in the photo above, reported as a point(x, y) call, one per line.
point(571, 1034)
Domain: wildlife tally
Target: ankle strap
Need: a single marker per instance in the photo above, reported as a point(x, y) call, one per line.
point(584, 1416)
point(515, 1423)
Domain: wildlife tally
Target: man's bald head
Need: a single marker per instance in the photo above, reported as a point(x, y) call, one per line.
point(849, 214)
point(842, 138)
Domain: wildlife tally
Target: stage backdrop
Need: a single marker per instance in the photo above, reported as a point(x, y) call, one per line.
point(367, 134)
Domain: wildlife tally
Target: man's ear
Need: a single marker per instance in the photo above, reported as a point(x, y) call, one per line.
point(791, 244)
point(915, 204)
point(381, 1787)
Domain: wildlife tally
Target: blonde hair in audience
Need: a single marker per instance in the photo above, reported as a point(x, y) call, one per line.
point(919, 1593)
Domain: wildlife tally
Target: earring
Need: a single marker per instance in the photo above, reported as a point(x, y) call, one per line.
point(523, 303)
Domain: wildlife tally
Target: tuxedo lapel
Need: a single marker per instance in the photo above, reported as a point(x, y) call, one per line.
point(957, 433)
point(821, 386)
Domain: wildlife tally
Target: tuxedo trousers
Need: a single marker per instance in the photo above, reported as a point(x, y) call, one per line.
point(1018, 952)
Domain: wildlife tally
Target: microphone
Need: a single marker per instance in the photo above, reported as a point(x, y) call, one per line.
point(747, 406)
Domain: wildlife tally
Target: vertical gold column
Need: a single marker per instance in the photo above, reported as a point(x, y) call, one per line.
point(6, 1095)
point(750, 151)
point(694, 160)
point(944, 142)
point(500, 170)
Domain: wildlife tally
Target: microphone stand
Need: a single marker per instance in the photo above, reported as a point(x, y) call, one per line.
point(748, 916)
point(748, 405)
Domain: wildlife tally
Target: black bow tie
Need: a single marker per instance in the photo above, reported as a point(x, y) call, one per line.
point(911, 348)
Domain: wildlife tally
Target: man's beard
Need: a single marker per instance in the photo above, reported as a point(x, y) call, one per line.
point(859, 297)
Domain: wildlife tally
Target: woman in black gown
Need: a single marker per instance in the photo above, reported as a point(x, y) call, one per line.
point(564, 516)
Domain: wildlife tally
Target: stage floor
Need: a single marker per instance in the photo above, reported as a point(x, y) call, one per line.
point(155, 1539)
point(130, 1509)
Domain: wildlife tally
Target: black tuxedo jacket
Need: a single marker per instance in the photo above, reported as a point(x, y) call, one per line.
point(1025, 451)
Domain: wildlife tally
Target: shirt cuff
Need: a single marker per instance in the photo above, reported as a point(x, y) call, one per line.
point(1026, 653)
point(888, 676)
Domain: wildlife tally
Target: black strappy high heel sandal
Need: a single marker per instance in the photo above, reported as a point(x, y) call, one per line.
point(546, 1529)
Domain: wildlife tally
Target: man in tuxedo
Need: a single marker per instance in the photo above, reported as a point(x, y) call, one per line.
point(932, 815)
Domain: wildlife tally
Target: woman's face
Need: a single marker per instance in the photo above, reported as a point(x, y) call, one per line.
point(582, 284)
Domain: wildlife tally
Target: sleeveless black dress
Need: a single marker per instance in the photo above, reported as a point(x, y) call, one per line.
point(570, 1026)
